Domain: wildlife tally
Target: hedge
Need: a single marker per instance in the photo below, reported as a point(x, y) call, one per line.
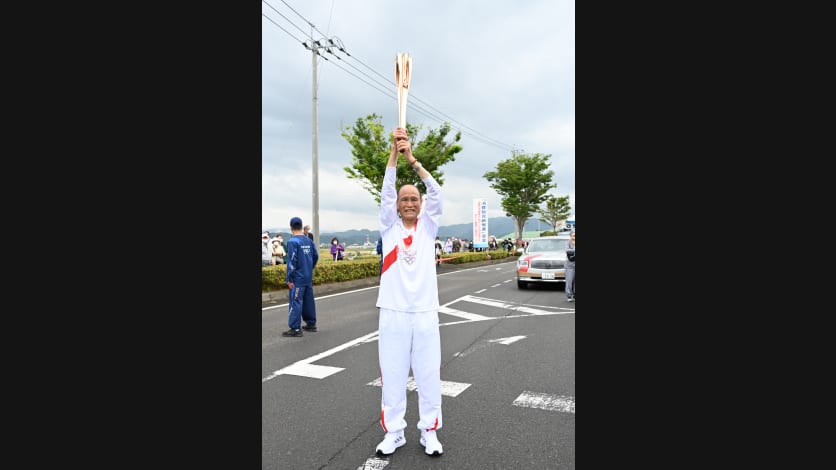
point(361, 267)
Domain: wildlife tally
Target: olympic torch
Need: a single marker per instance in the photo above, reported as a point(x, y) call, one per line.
point(403, 73)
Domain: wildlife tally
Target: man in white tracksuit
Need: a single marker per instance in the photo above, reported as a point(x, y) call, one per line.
point(408, 332)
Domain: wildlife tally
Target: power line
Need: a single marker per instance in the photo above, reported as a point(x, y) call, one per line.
point(286, 31)
point(330, 43)
point(288, 19)
point(415, 107)
point(417, 98)
point(300, 16)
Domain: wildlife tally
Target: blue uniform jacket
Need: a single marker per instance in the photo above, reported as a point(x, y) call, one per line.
point(302, 257)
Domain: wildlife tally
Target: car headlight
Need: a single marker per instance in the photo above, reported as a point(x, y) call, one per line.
point(522, 263)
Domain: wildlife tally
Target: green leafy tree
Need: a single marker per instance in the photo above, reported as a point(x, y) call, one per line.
point(371, 144)
point(557, 210)
point(523, 181)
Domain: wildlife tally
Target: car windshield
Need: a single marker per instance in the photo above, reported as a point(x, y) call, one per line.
point(554, 244)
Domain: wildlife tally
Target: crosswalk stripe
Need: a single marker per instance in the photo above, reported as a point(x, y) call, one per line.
point(450, 389)
point(507, 306)
point(373, 463)
point(310, 370)
point(544, 401)
point(461, 314)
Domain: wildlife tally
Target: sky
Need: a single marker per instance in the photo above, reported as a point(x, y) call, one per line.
point(502, 72)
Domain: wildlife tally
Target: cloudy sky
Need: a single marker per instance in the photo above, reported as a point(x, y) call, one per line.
point(502, 72)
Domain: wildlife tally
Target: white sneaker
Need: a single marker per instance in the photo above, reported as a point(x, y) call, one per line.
point(390, 443)
point(431, 444)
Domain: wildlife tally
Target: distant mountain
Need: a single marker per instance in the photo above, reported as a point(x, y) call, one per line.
point(497, 226)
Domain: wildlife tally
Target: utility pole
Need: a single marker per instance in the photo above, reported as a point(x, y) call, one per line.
point(314, 46)
point(315, 161)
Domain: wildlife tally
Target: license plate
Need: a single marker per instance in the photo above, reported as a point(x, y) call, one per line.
point(548, 275)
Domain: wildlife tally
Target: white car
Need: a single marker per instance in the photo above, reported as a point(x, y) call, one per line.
point(543, 261)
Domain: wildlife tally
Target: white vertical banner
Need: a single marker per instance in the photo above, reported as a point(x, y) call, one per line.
point(480, 223)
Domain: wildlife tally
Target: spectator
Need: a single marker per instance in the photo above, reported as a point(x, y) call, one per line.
point(278, 250)
point(266, 250)
point(337, 249)
point(379, 250)
point(570, 268)
point(438, 250)
point(302, 257)
point(308, 232)
point(492, 244)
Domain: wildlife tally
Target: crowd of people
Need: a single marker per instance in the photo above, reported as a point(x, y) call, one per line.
point(274, 248)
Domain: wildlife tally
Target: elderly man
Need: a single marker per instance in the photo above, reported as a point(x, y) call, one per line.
point(408, 332)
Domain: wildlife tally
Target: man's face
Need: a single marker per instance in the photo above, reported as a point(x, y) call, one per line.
point(409, 202)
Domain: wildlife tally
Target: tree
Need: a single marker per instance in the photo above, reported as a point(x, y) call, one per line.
point(370, 147)
point(523, 181)
point(557, 210)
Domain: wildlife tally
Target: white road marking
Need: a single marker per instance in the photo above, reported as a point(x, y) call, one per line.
point(319, 372)
point(480, 291)
point(310, 370)
point(484, 344)
point(322, 297)
point(304, 368)
point(373, 464)
point(507, 306)
point(544, 401)
point(507, 340)
point(460, 314)
point(450, 389)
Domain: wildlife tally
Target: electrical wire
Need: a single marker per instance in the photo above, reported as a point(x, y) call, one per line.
point(421, 109)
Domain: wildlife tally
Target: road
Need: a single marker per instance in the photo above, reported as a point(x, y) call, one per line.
point(508, 380)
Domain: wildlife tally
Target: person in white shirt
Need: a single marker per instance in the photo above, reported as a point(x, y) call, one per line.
point(408, 332)
point(266, 250)
point(278, 250)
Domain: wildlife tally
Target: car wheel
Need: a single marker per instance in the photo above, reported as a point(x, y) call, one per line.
point(521, 284)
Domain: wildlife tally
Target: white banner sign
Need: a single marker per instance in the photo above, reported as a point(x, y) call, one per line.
point(480, 223)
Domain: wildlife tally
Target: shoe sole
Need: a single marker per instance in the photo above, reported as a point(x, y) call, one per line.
point(309, 331)
point(435, 452)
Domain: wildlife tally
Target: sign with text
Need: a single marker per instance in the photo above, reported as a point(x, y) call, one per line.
point(480, 223)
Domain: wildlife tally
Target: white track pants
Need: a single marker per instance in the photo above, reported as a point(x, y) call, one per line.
point(409, 339)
